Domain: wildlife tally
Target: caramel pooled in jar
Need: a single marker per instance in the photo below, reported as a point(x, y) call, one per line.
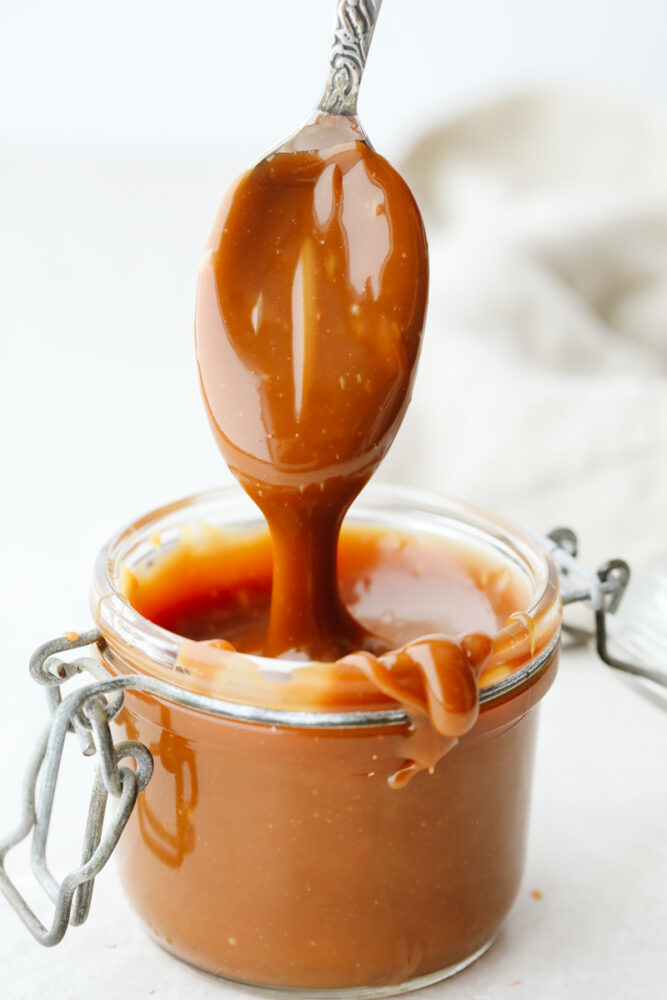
point(433, 604)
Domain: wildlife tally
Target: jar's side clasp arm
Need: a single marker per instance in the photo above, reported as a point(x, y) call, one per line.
point(87, 712)
point(602, 591)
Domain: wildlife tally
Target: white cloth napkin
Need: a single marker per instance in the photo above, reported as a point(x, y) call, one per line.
point(542, 392)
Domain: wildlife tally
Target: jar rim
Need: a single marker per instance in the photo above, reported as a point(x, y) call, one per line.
point(157, 649)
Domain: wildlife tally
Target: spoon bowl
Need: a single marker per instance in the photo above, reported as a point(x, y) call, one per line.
point(310, 308)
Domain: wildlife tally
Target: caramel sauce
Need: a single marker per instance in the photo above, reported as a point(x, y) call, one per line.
point(433, 603)
point(216, 582)
point(310, 308)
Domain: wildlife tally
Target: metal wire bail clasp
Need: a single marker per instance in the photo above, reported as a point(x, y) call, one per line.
point(602, 592)
point(87, 712)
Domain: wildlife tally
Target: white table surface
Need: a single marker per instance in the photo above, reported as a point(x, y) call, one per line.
point(101, 421)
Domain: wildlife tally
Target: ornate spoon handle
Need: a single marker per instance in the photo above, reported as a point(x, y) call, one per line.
point(355, 23)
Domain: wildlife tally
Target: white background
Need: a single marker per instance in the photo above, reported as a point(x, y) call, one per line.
point(120, 127)
point(209, 75)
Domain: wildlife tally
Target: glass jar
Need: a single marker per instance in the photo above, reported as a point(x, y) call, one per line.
point(268, 846)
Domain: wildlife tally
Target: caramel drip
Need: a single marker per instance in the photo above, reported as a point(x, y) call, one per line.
point(436, 679)
point(528, 623)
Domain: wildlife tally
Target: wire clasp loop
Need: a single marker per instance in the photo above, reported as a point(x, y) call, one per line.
point(86, 712)
point(602, 591)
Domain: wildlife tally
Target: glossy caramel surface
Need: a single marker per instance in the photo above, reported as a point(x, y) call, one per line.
point(310, 308)
point(437, 606)
point(215, 583)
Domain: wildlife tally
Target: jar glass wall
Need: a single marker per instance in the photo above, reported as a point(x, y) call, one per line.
point(277, 853)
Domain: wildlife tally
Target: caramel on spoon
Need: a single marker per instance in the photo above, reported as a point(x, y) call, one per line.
point(310, 307)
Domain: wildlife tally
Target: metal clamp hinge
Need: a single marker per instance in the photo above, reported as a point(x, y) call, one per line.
point(87, 712)
point(602, 591)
